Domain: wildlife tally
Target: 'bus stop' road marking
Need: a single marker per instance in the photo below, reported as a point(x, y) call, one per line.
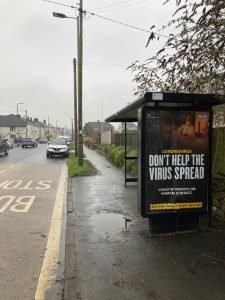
point(3, 171)
point(22, 203)
point(48, 272)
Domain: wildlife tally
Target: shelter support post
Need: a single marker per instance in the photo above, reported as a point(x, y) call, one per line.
point(127, 179)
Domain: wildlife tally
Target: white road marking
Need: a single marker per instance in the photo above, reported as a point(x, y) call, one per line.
point(12, 166)
point(20, 205)
point(48, 272)
point(3, 171)
point(23, 204)
point(9, 201)
point(26, 185)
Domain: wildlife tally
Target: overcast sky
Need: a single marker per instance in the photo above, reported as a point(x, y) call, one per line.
point(37, 50)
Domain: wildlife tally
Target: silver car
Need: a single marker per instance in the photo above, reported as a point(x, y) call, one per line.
point(58, 147)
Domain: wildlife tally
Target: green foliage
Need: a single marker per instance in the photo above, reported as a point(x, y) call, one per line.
point(119, 157)
point(132, 166)
point(192, 58)
point(218, 143)
point(72, 145)
point(75, 170)
point(116, 156)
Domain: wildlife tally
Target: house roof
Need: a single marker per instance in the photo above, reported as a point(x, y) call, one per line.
point(130, 112)
point(11, 121)
point(98, 125)
point(41, 124)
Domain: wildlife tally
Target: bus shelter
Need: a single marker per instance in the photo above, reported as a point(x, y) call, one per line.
point(174, 157)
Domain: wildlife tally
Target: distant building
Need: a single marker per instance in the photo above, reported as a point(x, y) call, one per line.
point(42, 128)
point(130, 127)
point(12, 126)
point(32, 128)
point(93, 129)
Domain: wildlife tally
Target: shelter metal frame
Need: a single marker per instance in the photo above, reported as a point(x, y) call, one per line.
point(155, 99)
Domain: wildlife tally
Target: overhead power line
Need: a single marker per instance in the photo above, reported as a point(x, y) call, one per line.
point(62, 4)
point(119, 7)
point(124, 24)
point(107, 70)
point(103, 64)
point(112, 5)
point(85, 12)
point(13, 107)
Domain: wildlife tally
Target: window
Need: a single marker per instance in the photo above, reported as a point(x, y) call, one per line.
point(12, 128)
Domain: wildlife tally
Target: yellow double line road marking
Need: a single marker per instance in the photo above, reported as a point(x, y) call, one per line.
point(47, 277)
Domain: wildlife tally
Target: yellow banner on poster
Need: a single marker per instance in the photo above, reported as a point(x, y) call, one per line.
point(185, 205)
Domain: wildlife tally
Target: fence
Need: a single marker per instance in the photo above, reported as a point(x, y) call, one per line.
point(132, 138)
point(218, 151)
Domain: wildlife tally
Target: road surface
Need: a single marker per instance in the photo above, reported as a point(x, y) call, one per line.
point(32, 190)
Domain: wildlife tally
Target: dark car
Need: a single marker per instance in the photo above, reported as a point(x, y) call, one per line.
point(4, 148)
point(28, 142)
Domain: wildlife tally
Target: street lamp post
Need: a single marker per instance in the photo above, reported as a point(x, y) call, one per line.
point(17, 105)
point(80, 75)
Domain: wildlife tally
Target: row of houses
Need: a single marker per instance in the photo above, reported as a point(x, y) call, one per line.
point(13, 126)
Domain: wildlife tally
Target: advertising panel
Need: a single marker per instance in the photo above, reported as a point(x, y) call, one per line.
point(174, 160)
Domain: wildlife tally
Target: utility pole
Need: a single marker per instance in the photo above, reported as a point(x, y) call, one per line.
point(102, 114)
point(26, 122)
point(72, 129)
point(75, 135)
point(80, 83)
point(48, 130)
point(17, 109)
point(55, 128)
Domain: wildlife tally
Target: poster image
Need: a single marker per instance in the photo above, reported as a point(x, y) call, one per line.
point(175, 161)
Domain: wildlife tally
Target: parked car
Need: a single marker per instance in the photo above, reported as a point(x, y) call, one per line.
point(43, 141)
point(28, 142)
point(10, 144)
point(4, 148)
point(58, 147)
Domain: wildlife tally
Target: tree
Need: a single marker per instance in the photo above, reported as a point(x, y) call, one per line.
point(193, 59)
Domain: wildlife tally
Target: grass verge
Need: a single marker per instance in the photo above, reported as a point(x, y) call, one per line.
point(75, 170)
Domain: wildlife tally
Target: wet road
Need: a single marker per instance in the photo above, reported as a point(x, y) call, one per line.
point(29, 185)
point(116, 259)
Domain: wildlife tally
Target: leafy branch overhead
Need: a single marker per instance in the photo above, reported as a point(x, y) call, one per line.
point(193, 59)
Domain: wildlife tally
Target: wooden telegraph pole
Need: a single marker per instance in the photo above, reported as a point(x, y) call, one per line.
point(80, 82)
point(75, 133)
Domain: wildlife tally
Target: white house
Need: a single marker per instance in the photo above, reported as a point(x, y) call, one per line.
point(12, 126)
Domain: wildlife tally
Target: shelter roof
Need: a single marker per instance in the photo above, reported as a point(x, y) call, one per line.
point(130, 112)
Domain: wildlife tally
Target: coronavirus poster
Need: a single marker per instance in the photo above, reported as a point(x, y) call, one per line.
point(174, 160)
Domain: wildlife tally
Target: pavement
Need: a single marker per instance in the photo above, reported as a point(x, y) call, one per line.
point(110, 255)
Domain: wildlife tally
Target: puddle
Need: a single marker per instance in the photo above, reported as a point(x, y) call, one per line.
point(110, 223)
